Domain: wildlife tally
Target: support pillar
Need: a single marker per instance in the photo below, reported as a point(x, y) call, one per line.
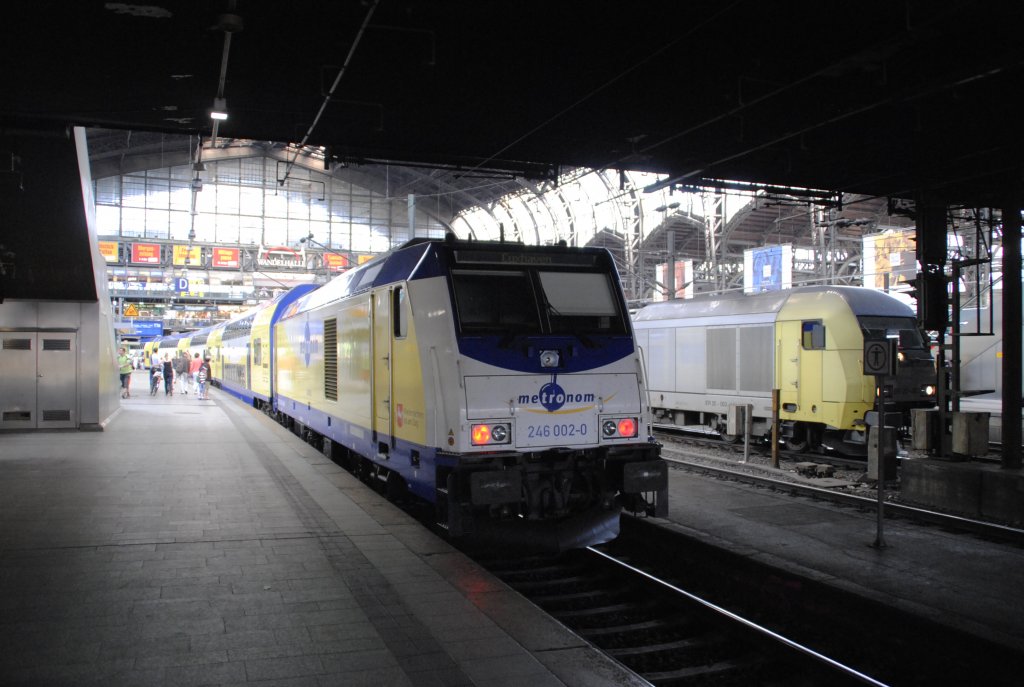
point(1011, 332)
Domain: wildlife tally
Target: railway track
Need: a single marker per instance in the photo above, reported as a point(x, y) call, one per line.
point(665, 634)
point(758, 447)
point(679, 612)
point(1003, 533)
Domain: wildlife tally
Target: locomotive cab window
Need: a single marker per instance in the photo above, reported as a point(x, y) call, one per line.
point(878, 328)
point(495, 301)
point(257, 352)
point(517, 302)
point(812, 335)
point(580, 302)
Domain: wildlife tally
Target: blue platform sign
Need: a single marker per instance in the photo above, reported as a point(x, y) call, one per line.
point(181, 285)
point(148, 327)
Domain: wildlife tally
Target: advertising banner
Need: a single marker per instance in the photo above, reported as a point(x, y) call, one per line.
point(335, 263)
point(769, 268)
point(224, 257)
point(108, 249)
point(183, 255)
point(281, 256)
point(146, 253)
point(892, 253)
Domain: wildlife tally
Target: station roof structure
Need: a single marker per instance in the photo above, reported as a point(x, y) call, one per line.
point(879, 99)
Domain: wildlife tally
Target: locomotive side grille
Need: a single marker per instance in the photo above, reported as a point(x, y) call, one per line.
point(757, 357)
point(56, 416)
point(721, 348)
point(331, 359)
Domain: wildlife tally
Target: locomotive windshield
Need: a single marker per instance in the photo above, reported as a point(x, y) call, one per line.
point(882, 327)
point(511, 302)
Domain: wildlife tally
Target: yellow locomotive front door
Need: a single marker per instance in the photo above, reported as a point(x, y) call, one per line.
point(381, 370)
point(788, 366)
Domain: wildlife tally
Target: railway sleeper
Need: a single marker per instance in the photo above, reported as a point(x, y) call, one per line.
point(538, 586)
point(597, 611)
point(571, 598)
point(700, 673)
point(638, 632)
point(684, 644)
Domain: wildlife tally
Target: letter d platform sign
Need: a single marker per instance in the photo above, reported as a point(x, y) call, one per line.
point(181, 285)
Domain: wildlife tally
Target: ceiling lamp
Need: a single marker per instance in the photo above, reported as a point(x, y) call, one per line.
point(220, 109)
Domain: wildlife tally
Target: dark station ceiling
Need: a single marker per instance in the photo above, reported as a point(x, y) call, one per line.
point(881, 98)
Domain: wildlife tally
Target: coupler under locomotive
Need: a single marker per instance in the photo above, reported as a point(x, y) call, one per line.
point(556, 500)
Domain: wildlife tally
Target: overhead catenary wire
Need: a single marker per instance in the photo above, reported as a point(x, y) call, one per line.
point(330, 92)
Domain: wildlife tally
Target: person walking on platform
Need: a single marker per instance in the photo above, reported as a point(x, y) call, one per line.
point(193, 371)
point(154, 365)
point(124, 364)
point(168, 375)
point(201, 377)
point(181, 371)
point(156, 376)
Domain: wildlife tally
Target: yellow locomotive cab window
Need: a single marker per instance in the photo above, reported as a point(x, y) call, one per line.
point(812, 335)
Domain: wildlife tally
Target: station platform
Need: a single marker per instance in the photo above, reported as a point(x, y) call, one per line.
point(957, 580)
point(198, 542)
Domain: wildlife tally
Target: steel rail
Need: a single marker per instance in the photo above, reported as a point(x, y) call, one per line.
point(761, 630)
point(1003, 532)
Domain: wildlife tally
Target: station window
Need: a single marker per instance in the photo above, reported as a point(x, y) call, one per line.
point(812, 335)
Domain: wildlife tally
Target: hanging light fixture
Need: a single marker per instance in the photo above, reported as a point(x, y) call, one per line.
point(220, 109)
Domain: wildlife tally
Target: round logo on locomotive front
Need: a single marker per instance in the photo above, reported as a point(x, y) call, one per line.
point(552, 396)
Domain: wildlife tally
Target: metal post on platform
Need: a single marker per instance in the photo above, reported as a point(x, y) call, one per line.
point(748, 423)
point(775, 428)
point(880, 472)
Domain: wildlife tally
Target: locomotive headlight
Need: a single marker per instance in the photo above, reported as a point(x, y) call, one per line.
point(621, 428)
point(489, 434)
point(481, 434)
point(499, 434)
point(549, 358)
point(900, 357)
point(627, 427)
point(928, 390)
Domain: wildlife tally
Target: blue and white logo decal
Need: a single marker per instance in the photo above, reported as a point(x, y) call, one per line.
point(306, 345)
point(553, 397)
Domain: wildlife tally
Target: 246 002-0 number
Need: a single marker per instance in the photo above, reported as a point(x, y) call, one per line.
point(556, 431)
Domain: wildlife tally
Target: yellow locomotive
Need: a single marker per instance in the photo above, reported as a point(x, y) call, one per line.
point(709, 353)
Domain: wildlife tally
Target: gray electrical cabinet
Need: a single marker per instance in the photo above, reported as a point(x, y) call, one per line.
point(38, 380)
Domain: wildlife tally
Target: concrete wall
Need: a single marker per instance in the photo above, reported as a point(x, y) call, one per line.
point(973, 490)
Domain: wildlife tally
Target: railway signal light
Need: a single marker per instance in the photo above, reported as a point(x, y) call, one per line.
point(930, 289)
